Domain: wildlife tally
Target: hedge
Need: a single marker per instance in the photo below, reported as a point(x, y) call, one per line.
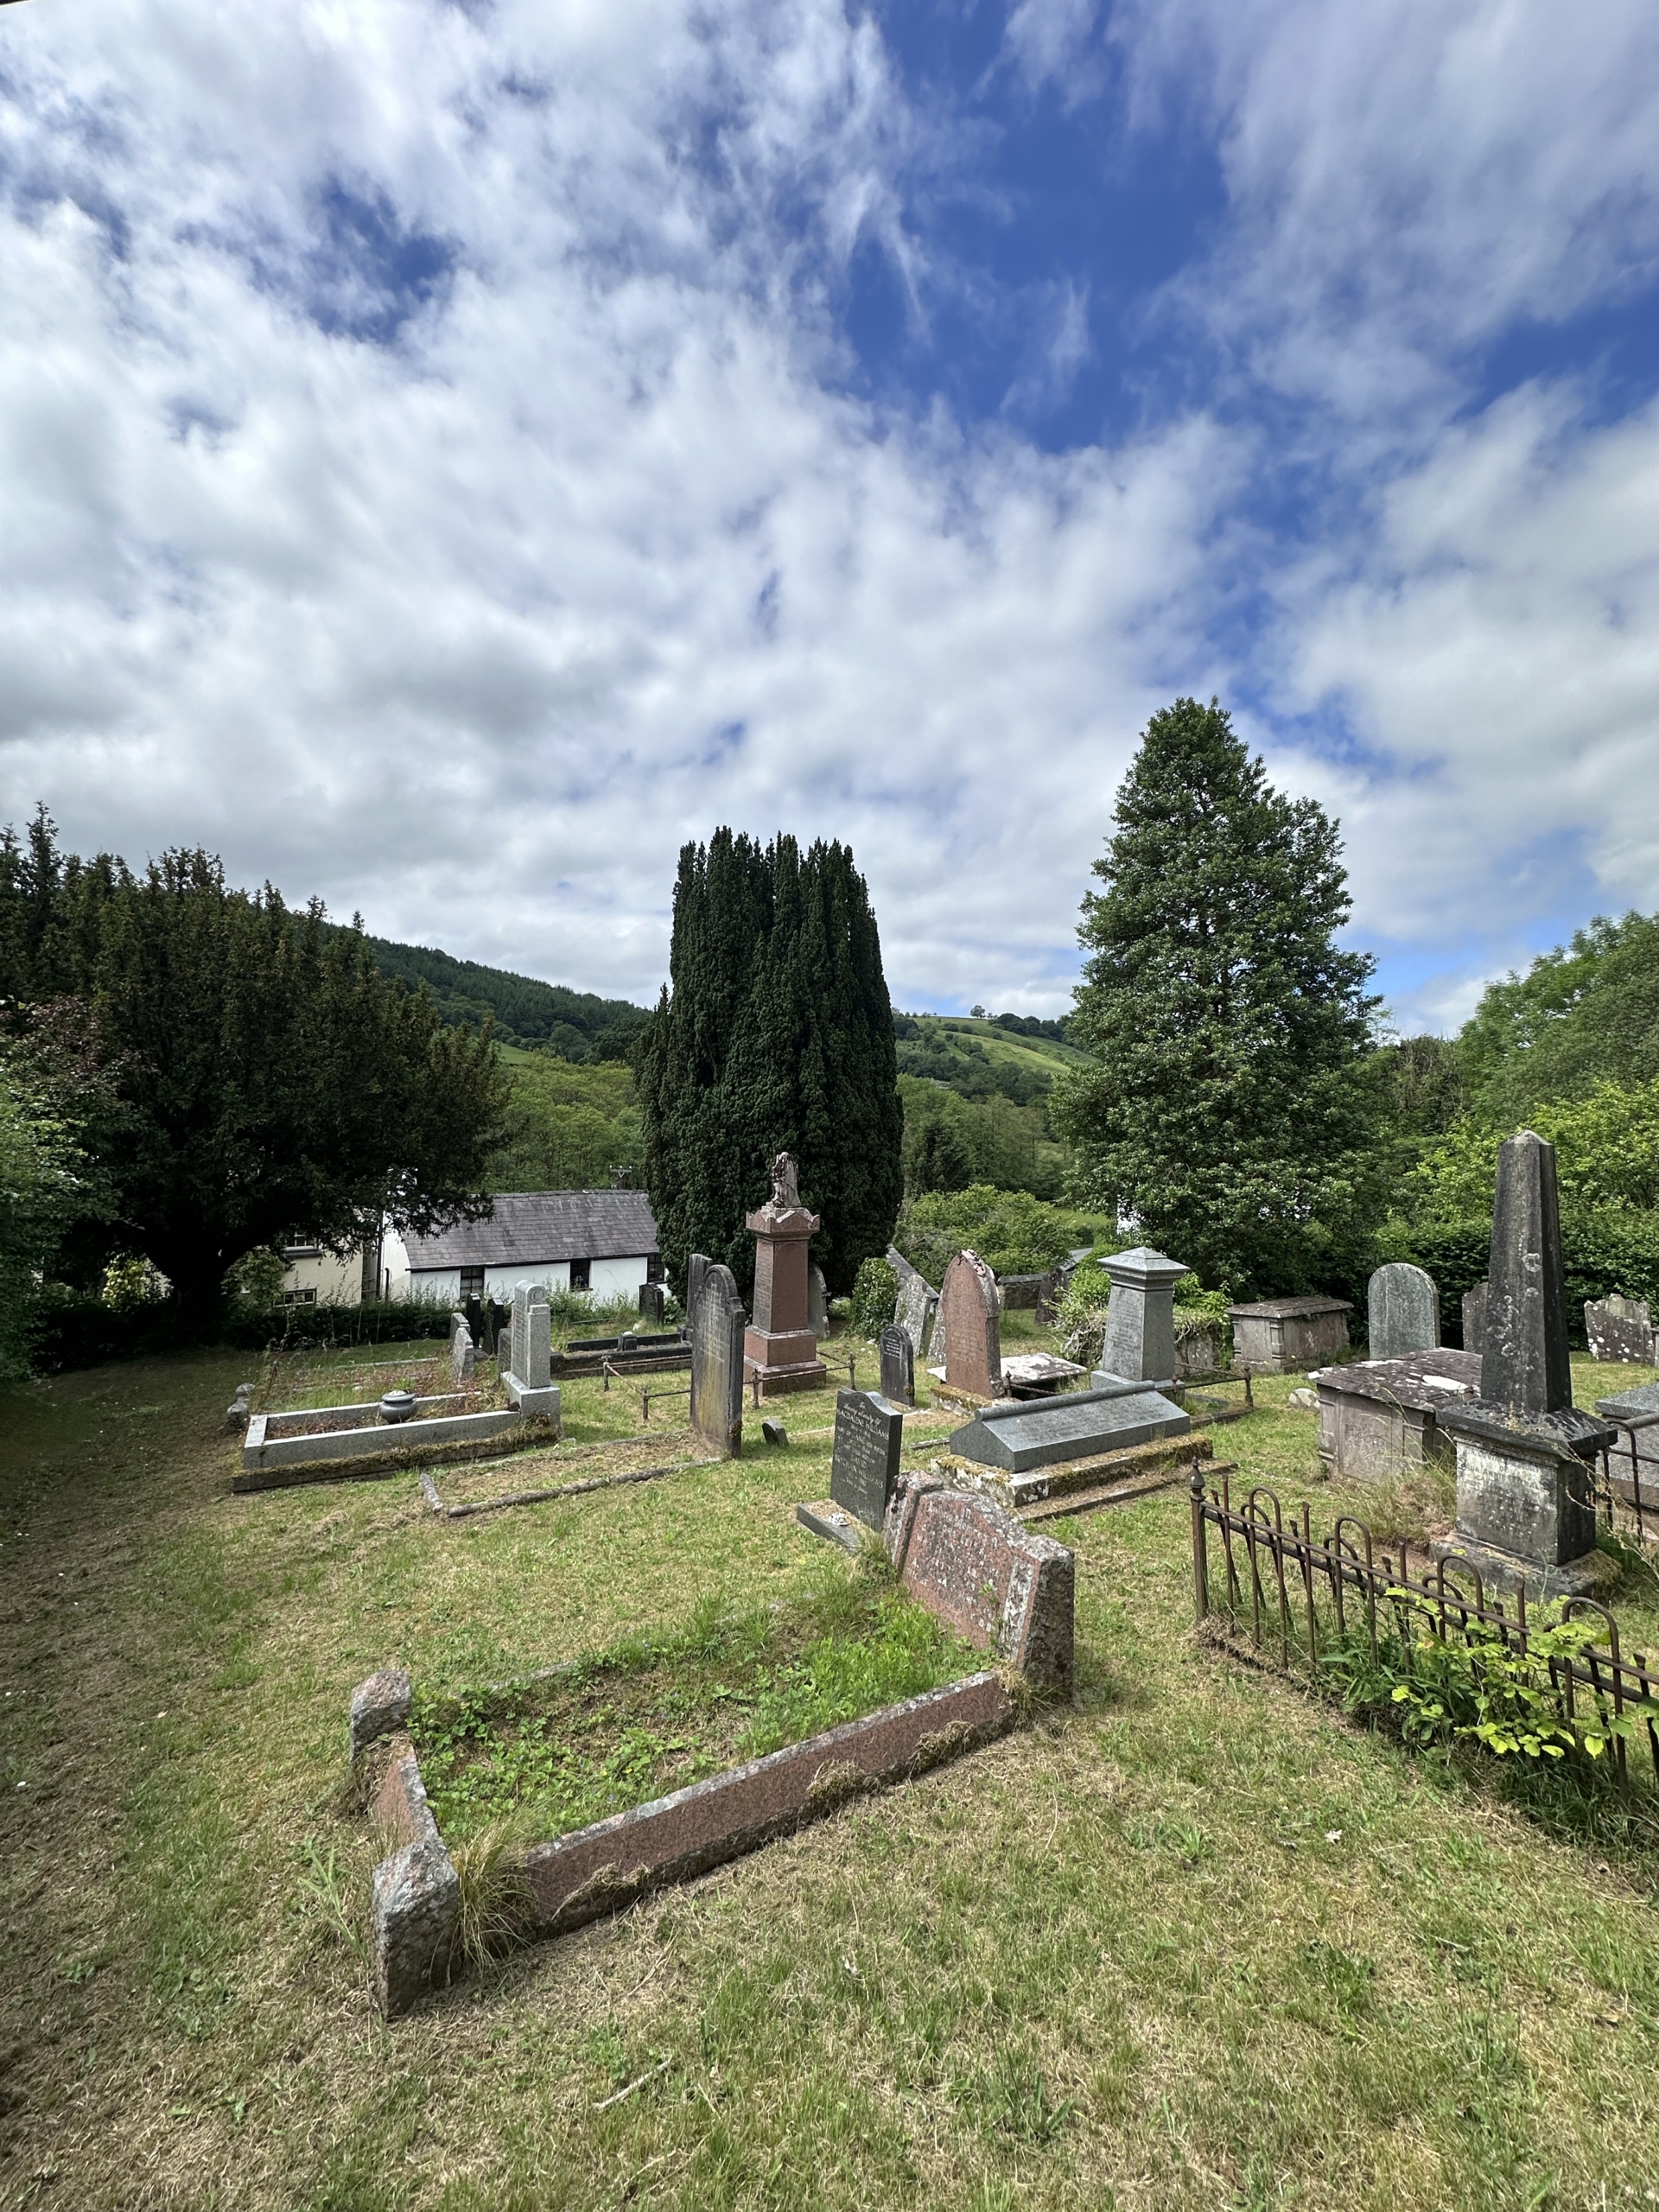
point(74, 1329)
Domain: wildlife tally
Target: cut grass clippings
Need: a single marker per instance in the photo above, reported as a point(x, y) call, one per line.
point(656, 1712)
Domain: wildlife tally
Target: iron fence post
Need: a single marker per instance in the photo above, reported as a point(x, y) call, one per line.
point(1200, 1551)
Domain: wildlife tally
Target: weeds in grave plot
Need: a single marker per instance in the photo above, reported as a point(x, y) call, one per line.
point(655, 1712)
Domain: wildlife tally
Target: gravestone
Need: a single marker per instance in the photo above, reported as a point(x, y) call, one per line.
point(817, 1302)
point(696, 1268)
point(1140, 1340)
point(1474, 1318)
point(461, 1352)
point(1403, 1311)
point(780, 1350)
point(1017, 1436)
point(969, 1328)
point(864, 1464)
point(969, 1562)
point(538, 1371)
point(1525, 1510)
point(898, 1365)
point(918, 1302)
point(1620, 1330)
point(650, 1302)
point(717, 1362)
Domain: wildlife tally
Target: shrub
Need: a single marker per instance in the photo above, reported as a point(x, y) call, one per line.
point(1013, 1233)
point(876, 1296)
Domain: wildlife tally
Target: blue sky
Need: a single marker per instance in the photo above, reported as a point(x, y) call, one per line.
point(450, 455)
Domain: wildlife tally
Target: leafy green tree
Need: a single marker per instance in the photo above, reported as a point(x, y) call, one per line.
point(568, 1126)
point(1013, 1233)
point(46, 1181)
point(1585, 1014)
point(269, 1083)
point(773, 1033)
point(935, 1152)
point(1231, 1105)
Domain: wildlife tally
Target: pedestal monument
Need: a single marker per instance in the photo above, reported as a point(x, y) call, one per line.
point(781, 1352)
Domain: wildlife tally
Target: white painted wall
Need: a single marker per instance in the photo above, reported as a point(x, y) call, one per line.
point(331, 1282)
point(610, 1278)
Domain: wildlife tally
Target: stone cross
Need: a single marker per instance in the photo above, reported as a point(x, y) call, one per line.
point(969, 1327)
point(1140, 1342)
point(1403, 1311)
point(717, 1362)
point(1525, 1360)
point(898, 1365)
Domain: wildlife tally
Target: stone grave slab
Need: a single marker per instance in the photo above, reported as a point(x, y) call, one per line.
point(1083, 1425)
point(717, 1326)
point(898, 1365)
point(864, 1461)
point(1379, 1418)
point(1403, 1311)
point(1038, 1375)
point(1620, 1330)
point(971, 1563)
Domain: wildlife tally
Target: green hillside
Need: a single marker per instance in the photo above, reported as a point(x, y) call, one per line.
point(575, 1025)
point(980, 1059)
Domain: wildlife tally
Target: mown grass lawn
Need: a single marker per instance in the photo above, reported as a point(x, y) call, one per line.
point(1191, 1940)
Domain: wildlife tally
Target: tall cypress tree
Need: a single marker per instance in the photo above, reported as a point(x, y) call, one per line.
point(774, 1033)
point(1231, 1105)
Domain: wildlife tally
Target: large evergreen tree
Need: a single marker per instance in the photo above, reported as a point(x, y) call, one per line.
point(774, 1033)
point(1232, 1099)
point(265, 1082)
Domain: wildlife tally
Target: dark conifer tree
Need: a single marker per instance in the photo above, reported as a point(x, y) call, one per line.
point(1232, 1106)
point(775, 1033)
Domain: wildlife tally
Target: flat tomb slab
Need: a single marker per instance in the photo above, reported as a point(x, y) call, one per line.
point(1378, 1418)
point(1084, 1424)
point(1634, 1408)
point(1061, 1478)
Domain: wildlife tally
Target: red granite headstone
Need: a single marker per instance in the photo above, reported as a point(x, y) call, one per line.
point(971, 1563)
point(779, 1350)
point(969, 1328)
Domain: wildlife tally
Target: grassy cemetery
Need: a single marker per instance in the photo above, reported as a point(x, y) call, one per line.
point(1084, 1630)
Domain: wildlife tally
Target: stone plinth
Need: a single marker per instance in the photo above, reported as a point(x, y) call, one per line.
point(1140, 1342)
point(1525, 1511)
point(1379, 1418)
point(969, 1328)
point(781, 1352)
point(1286, 1335)
point(1403, 1311)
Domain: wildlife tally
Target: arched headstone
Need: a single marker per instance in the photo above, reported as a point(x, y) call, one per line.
point(1403, 1311)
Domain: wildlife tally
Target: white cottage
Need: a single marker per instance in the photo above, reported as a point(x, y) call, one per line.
point(604, 1241)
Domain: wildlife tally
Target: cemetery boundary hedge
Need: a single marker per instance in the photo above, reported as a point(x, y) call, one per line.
point(74, 1331)
point(1604, 1252)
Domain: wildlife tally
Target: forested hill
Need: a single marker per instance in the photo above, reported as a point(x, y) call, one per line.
point(577, 1025)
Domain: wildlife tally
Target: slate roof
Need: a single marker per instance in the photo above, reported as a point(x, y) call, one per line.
point(529, 1228)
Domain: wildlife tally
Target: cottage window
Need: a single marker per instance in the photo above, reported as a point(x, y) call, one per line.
point(472, 1283)
point(582, 1275)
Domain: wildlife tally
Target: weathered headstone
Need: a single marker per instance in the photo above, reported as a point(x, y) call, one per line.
point(969, 1562)
point(1403, 1311)
point(1525, 1510)
point(527, 1376)
point(817, 1302)
point(864, 1464)
point(717, 1323)
point(898, 1365)
point(697, 1269)
point(1018, 1435)
point(461, 1352)
point(519, 1332)
point(774, 1432)
point(538, 1371)
point(1620, 1330)
point(918, 1302)
point(1139, 1341)
point(969, 1328)
point(780, 1351)
point(1474, 1318)
point(650, 1302)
